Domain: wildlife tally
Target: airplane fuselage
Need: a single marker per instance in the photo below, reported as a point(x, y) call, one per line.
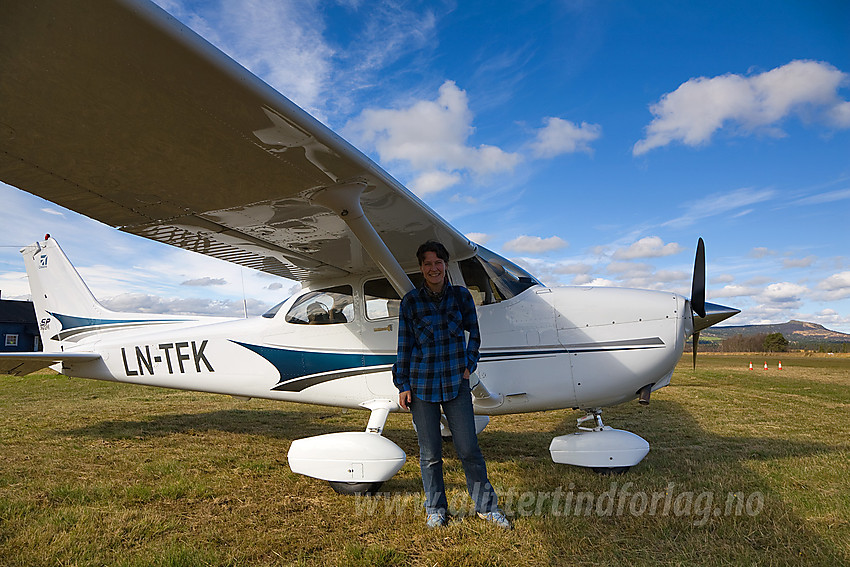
point(543, 349)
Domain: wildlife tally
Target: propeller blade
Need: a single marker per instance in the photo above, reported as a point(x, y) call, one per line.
point(698, 284)
point(696, 342)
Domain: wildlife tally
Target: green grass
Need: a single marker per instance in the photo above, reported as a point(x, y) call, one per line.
point(96, 473)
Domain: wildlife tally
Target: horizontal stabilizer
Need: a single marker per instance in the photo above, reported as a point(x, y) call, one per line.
point(22, 363)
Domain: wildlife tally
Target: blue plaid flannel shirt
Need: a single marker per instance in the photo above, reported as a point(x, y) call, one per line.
point(432, 348)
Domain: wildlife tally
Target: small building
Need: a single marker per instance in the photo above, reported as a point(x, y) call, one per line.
point(18, 327)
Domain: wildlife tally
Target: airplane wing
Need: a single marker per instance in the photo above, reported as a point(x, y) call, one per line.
point(116, 110)
point(22, 363)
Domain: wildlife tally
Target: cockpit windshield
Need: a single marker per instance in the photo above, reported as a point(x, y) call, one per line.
point(491, 278)
point(273, 311)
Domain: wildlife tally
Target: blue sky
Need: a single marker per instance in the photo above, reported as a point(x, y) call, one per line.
point(592, 142)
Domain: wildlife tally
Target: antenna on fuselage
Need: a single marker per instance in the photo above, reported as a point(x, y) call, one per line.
point(244, 297)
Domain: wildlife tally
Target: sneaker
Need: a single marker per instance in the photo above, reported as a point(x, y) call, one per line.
point(436, 520)
point(496, 517)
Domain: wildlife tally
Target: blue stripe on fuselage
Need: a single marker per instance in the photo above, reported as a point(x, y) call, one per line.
point(71, 322)
point(73, 326)
point(292, 364)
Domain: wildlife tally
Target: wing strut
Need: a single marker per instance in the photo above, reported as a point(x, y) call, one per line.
point(344, 201)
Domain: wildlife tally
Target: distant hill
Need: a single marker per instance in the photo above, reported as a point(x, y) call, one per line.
point(797, 332)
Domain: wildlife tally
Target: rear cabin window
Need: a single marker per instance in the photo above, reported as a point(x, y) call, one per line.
point(323, 307)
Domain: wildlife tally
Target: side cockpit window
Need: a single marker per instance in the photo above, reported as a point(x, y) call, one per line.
point(491, 278)
point(382, 301)
point(323, 307)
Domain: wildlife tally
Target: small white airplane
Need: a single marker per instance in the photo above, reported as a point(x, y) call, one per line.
point(117, 111)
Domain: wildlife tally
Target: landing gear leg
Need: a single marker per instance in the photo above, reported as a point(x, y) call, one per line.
point(594, 415)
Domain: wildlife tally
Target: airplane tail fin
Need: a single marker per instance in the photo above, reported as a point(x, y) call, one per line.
point(61, 298)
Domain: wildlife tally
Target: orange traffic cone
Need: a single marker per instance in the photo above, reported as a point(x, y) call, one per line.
point(780, 365)
point(751, 366)
point(765, 365)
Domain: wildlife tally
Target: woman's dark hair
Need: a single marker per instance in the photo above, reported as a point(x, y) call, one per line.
point(435, 247)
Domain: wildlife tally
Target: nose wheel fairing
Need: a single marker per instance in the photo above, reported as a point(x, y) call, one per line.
point(602, 448)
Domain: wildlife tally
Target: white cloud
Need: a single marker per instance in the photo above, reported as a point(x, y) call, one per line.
point(700, 107)
point(593, 282)
point(835, 287)
point(631, 268)
point(14, 285)
point(783, 292)
point(561, 136)
point(431, 136)
point(829, 318)
point(723, 279)
point(759, 280)
point(765, 314)
point(734, 291)
point(735, 203)
point(535, 244)
point(479, 237)
point(392, 30)
point(667, 276)
point(465, 199)
point(648, 247)
point(573, 268)
point(828, 197)
point(286, 44)
point(840, 114)
point(281, 42)
point(205, 282)
point(761, 252)
point(145, 303)
point(434, 182)
point(798, 262)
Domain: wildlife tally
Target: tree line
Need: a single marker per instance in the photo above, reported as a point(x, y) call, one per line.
point(771, 342)
point(760, 342)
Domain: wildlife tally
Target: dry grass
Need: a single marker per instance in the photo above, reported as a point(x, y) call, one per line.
point(97, 473)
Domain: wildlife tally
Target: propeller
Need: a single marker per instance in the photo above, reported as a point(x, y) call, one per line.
point(698, 290)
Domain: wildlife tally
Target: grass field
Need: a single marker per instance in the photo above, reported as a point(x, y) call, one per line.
point(745, 467)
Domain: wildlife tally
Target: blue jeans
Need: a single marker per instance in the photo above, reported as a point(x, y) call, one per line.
point(459, 414)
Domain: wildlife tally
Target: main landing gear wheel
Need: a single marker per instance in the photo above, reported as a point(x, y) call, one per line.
point(604, 471)
point(355, 488)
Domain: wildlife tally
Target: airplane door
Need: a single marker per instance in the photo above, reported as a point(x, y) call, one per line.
point(378, 307)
